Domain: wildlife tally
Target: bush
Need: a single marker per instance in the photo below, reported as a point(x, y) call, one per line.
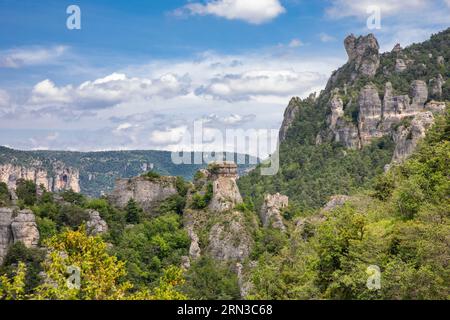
point(4, 194)
point(73, 197)
point(26, 191)
point(207, 279)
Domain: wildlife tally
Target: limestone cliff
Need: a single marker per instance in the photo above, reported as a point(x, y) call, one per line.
point(17, 226)
point(363, 104)
point(218, 230)
point(59, 178)
point(147, 192)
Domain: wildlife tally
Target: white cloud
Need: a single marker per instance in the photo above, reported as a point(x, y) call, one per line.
point(108, 91)
point(16, 58)
point(251, 11)
point(255, 83)
point(168, 136)
point(295, 43)
point(324, 37)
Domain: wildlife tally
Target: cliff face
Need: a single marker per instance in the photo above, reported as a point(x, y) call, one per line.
point(16, 227)
point(145, 191)
point(226, 233)
point(360, 110)
point(61, 177)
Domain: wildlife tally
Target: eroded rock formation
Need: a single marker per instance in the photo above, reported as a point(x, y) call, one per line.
point(96, 225)
point(226, 193)
point(363, 52)
point(17, 226)
point(270, 212)
point(147, 192)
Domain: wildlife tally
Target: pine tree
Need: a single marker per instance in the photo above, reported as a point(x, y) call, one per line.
point(133, 212)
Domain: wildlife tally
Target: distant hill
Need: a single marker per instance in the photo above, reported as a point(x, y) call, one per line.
point(98, 170)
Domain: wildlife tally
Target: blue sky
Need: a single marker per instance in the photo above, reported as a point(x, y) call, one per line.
point(139, 73)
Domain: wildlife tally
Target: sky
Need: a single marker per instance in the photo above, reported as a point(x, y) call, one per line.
point(141, 74)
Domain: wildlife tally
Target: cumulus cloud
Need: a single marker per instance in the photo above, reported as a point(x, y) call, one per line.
point(16, 58)
point(295, 43)
point(230, 120)
point(324, 37)
point(168, 136)
point(249, 84)
point(108, 91)
point(251, 11)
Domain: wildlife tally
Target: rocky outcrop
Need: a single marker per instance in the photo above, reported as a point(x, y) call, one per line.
point(335, 201)
point(17, 226)
point(289, 116)
point(270, 212)
point(436, 86)
point(225, 232)
point(363, 53)
point(147, 192)
point(24, 229)
point(5, 231)
point(400, 65)
point(408, 136)
point(419, 95)
point(369, 114)
point(60, 178)
point(96, 225)
point(226, 193)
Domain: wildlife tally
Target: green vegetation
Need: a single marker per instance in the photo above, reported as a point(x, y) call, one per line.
point(402, 228)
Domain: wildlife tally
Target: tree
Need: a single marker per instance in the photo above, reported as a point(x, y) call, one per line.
point(26, 191)
point(133, 212)
point(97, 274)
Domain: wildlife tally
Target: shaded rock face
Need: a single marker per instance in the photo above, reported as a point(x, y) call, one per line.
point(419, 94)
point(230, 241)
point(289, 116)
point(270, 212)
point(148, 193)
point(96, 225)
point(436, 86)
point(61, 178)
point(407, 137)
point(226, 235)
point(5, 231)
point(226, 193)
point(17, 227)
point(364, 53)
point(369, 114)
point(24, 229)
